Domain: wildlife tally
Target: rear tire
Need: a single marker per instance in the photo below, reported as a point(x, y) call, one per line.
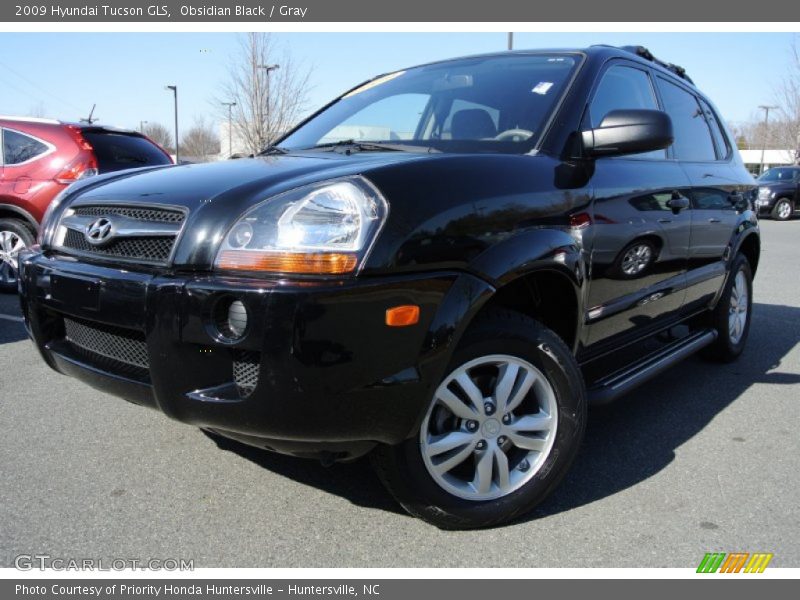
point(538, 400)
point(732, 315)
point(783, 210)
point(15, 235)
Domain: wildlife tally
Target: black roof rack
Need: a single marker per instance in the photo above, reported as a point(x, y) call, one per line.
point(647, 55)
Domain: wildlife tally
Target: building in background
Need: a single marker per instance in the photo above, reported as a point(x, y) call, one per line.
point(772, 158)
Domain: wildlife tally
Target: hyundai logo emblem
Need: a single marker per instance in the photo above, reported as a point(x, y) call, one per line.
point(99, 231)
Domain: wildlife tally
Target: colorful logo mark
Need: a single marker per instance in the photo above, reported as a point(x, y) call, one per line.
point(735, 562)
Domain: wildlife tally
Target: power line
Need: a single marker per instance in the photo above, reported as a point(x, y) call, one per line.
point(40, 88)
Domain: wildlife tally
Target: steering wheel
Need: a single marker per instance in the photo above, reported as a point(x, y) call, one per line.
point(512, 134)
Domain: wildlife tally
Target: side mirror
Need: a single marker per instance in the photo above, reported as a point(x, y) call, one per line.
point(629, 132)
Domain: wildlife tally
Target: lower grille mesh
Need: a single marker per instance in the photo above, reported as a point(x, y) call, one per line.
point(118, 344)
point(245, 371)
point(142, 248)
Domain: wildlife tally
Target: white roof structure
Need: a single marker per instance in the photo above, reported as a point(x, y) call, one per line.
point(771, 157)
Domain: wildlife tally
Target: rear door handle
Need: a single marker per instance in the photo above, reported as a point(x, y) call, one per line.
point(714, 220)
point(665, 220)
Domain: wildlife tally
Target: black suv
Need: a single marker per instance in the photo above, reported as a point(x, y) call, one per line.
point(779, 192)
point(442, 268)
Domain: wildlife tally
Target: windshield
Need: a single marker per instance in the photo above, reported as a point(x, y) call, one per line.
point(782, 174)
point(487, 104)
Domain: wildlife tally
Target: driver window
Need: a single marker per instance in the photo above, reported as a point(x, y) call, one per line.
point(624, 87)
point(394, 118)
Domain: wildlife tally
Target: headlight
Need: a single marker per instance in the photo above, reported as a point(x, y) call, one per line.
point(322, 229)
point(764, 193)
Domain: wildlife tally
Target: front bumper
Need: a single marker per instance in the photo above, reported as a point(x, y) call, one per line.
point(327, 377)
point(764, 206)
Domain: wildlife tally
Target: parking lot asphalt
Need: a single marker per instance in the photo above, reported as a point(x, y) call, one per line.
point(703, 458)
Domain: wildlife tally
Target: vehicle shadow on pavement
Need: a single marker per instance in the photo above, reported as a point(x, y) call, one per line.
point(12, 331)
point(626, 442)
point(353, 481)
point(636, 437)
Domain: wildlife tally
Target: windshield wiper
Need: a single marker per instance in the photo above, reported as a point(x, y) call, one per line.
point(353, 145)
point(273, 150)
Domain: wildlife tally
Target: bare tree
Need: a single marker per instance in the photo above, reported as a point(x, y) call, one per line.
point(37, 110)
point(201, 141)
point(788, 101)
point(160, 135)
point(269, 100)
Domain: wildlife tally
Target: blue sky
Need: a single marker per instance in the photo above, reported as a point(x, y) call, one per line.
point(125, 73)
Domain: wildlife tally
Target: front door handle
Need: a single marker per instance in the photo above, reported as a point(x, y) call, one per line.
point(714, 220)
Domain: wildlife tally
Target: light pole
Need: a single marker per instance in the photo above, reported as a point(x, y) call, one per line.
point(174, 89)
point(141, 126)
point(510, 40)
point(766, 110)
point(230, 106)
point(269, 69)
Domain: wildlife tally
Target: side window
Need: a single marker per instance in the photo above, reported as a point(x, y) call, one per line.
point(692, 135)
point(710, 199)
point(720, 139)
point(19, 148)
point(622, 88)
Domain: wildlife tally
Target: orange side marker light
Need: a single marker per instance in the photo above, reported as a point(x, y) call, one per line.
point(402, 316)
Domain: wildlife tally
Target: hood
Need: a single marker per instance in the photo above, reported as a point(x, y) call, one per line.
point(776, 184)
point(196, 185)
point(215, 195)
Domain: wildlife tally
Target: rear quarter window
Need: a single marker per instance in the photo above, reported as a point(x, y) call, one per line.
point(117, 151)
point(19, 148)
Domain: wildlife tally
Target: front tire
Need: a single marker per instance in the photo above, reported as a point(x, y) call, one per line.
point(732, 315)
point(501, 431)
point(14, 237)
point(635, 259)
point(783, 210)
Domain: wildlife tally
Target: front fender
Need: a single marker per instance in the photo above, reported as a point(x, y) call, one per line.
point(529, 251)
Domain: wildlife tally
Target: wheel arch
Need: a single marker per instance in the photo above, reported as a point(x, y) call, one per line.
point(9, 211)
point(750, 245)
point(545, 294)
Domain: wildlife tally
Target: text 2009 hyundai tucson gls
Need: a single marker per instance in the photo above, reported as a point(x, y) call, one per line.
point(442, 268)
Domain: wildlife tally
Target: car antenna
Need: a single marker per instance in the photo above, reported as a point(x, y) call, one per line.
point(89, 119)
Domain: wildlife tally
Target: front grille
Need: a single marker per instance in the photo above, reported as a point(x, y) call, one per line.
point(115, 343)
point(145, 234)
point(153, 249)
point(245, 371)
point(160, 215)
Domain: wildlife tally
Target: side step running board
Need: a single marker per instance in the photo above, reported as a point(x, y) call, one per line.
point(621, 382)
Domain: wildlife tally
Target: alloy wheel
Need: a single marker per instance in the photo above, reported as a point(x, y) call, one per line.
point(739, 307)
point(636, 259)
point(10, 246)
point(490, 427)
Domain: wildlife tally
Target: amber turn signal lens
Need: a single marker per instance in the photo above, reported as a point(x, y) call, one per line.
point(402, 316)
point(305, 263)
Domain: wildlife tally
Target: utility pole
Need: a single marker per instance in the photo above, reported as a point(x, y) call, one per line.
point(174, 89)
point(268, 69)
point(141, 126)
point(766, 110)
point(230, 106)
point(510, 40)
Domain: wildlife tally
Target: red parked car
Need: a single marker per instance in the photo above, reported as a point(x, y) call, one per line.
point(41, 157)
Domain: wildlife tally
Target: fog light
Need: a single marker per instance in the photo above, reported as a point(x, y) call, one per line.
point(230, 318)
